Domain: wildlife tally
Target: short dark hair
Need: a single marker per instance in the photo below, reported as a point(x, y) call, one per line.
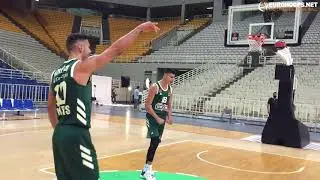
point(73, 38)
point(169, 70)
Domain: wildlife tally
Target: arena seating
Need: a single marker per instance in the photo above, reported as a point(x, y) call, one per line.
point(29, 21)
point(59, 25)
point(6, 25)
point(195, 23)
point(121, 26)
point(207, 45)
point(100, 48)
point(310, 44)
point(213, 77)
point(29, 50)
point(91, 21)
point(308, 78)
point(256, 88)
point(15, 105)
point(248, 97)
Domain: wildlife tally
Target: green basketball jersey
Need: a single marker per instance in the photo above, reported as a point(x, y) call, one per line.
point(73, 101)
point(160, 101)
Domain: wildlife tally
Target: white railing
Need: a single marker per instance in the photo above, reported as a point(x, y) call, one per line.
point(14, 61)
point(20, 74)
point(35, 93)
point(237, 109)
point(272, 60)
point(191, 74)
point(198, 71)
point(17, 63)
point(190, 59)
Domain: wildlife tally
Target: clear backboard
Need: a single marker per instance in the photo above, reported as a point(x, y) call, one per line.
point(276, 24)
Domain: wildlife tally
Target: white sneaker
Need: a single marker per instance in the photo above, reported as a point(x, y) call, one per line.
point(149, 175)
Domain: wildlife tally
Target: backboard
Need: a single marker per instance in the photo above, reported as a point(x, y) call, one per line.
point(276, 24)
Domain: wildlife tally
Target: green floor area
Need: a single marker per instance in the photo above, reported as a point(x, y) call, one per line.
point(135, 175)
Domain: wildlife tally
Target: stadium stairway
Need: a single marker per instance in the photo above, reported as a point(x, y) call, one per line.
point(24, 29)
point(194, 32)
point(198, 107)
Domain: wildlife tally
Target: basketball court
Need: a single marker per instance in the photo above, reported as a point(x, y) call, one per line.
point(186, 152)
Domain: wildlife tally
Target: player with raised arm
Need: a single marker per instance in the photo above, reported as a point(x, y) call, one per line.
point(69, 104)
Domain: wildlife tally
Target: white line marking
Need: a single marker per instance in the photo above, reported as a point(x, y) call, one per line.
point(110, 171)
point(245, 170)
point(187, 174)
point(253, 150)
point(45, 170)
point(138, 150)
point(21, 132)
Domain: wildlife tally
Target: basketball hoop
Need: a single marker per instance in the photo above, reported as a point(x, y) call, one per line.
point(255, 42)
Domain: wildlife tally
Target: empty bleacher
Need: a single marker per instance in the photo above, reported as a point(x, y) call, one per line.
point(29, 51)
point(206, 46)
point(59, 25)
point(121, 26)
point(30, 22)
point(6, 25)
point(212, 78)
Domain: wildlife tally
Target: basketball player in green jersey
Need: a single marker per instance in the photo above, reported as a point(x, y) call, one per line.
point(69, 104)
point(159, 111)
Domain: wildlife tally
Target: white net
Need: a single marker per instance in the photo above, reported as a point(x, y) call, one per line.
point(255, 43)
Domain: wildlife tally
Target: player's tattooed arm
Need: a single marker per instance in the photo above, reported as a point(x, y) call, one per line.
point(52, 109)
point(148, 103)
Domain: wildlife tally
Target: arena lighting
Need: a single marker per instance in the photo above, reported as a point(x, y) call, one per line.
point(129, 88)
point(209, 8)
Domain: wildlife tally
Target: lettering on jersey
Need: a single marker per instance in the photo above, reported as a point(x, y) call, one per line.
point(62, 76)
point(164, 100)
point(61, 95)
point(61, 70)
point(61, 73)
point(161, 107)
point(63, 110)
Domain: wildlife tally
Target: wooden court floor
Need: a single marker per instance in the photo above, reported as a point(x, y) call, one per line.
point(121, 145)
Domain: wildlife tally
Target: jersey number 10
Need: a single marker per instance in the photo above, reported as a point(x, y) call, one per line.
point(61, 92)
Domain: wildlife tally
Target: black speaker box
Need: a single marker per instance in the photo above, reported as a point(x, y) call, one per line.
point(125, 81)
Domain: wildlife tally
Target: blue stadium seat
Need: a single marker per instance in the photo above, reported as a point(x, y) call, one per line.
point(6, 105)
point(18, 104)
point(28, 105)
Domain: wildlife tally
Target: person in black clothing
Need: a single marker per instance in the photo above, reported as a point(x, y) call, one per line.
point(272, 104)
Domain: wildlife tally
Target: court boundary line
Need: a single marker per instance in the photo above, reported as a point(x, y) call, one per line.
point(22, 132)
point(259, 151)
point(246, 170)
point(45, 170)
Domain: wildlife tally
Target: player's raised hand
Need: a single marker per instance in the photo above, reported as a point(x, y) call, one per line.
point(149, 26)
